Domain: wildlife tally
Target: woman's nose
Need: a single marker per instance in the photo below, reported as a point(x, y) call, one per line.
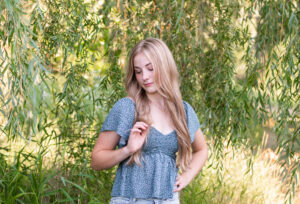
point(146, 75)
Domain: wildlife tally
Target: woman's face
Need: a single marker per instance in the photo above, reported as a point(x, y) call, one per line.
point(144, 73)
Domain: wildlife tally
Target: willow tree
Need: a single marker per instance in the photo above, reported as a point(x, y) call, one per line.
point(62, 67)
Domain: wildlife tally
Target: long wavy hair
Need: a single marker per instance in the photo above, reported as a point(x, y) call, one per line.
point(167, 82)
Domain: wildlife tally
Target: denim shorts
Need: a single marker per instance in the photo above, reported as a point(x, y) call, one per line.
point(123, 200)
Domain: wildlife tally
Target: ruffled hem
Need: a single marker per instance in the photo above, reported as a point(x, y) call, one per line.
point(154, 179)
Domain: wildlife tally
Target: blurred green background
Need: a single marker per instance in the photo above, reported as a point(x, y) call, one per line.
point(62, 68)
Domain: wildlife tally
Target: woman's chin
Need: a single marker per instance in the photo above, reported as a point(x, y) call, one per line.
point(150, 91)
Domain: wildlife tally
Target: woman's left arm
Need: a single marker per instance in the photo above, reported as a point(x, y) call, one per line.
point(199, 156)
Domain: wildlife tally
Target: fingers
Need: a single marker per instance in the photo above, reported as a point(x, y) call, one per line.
point(137, 136)
point(179, 184)
point(139, 127)
point(136, 130)
point(177, 187)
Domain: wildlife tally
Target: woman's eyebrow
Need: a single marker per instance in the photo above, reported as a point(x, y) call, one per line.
point(145, 65)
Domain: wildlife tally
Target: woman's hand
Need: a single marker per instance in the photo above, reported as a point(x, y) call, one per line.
point(199, 156)
point(137, 137)
point(182, 181)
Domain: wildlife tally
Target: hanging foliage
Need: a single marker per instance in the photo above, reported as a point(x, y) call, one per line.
point(62, 68)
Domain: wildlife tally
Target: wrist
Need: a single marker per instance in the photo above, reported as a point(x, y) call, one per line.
point(188, 175)
point(126, 151)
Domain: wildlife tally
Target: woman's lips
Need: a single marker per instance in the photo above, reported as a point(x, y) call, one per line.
point(148, 84)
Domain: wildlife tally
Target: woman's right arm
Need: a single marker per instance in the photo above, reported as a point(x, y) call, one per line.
point(104, 154)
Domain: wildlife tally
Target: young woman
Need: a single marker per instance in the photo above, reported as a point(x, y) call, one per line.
point(154, 129)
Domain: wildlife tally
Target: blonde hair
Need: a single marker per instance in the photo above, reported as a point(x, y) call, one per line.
point(167, 83)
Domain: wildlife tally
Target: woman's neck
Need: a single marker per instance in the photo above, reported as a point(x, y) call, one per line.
point(156, 99)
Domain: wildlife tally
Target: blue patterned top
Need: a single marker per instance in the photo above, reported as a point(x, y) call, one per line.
point(157, 175)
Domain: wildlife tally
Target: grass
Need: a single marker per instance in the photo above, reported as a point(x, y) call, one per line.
point(243, 178)
point(37, 173)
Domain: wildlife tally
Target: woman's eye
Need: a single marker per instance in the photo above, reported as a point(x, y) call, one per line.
point(138, 72)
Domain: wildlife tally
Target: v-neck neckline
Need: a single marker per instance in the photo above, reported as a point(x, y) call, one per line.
point(161, 132)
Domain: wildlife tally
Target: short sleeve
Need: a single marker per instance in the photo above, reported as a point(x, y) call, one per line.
point(120, 118)
point(192, 120)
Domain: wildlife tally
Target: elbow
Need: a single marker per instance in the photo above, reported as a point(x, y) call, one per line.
point(99, 162)
point(95, 167)
point(95, 164)
point(98, 167)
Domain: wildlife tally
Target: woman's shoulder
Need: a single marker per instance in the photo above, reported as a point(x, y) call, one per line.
point(186, 105)
point(189, 110)
point(120, 118)
point(123, 107)
point(123, 102)
point(192, 120)
point(128, 98)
